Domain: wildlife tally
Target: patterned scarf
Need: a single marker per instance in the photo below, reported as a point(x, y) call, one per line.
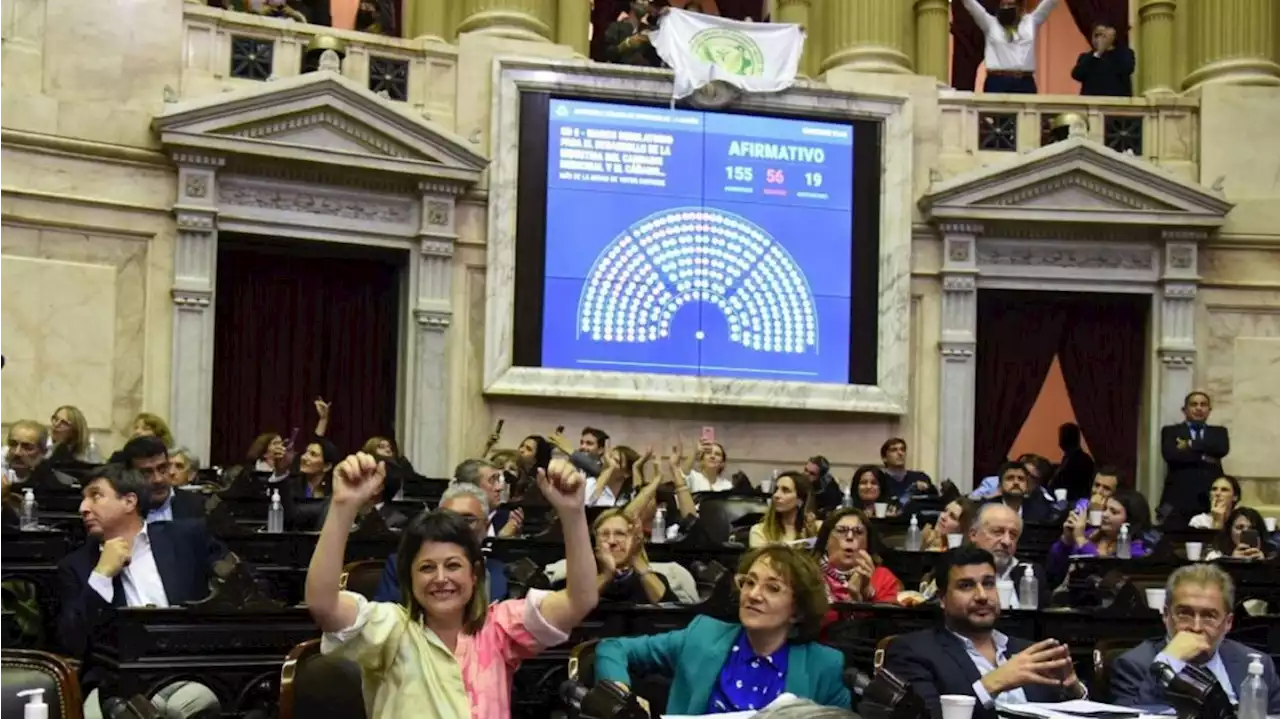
point(837, 582)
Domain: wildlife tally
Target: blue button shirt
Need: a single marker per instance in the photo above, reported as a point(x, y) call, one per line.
point(163, 513)
point(748, 681)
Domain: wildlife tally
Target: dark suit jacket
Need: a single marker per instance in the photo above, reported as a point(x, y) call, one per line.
point(394, 518)
point(904, 489)
point(1133, 686)
point(184, 555)
point(1075, 474)
point(1110, 75)
point(1193, 469)
point(188, 505)
point(934, 662)
point(1035, 507)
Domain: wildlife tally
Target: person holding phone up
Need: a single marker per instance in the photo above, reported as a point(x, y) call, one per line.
point(1241, 537)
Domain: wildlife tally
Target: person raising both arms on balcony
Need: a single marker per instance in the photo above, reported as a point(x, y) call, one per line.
point(1010, 55)
point(1107, 69)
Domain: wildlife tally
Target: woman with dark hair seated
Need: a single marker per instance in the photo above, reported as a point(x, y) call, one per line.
point(851, 570)
point(1224, 495)
point(443, 651)
point(1230, 541)
point(533, 454)
point(788, 518)
point(723, 667)
point(953, 519)
point(1123, 507)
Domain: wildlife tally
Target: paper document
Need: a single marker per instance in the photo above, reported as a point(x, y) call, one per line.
point(785, 698)
point(1070, 710)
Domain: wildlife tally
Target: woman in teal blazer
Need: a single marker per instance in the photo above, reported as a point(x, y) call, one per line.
point(721, 666)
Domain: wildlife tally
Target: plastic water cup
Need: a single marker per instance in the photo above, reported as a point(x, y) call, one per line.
point(957, 706)
point(1060, 494)
point(1193, 550)
point(1004, 587)
point(1155, 598)
point(954, 540)
point(882, 508)
point(1270, 522)
point(1095, 517)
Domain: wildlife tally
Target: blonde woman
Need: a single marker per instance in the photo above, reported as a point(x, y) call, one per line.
point(70, 434)
point(788, 518)
point(152, 425)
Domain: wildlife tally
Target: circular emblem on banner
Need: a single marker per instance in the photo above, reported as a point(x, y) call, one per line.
point(732, 51)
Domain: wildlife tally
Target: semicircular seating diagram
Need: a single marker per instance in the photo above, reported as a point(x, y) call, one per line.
point(694, 254)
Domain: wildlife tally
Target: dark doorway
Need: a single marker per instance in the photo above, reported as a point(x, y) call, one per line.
point(1100, 341)
point(294, 321)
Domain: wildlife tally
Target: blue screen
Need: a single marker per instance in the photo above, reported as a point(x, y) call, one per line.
point(697, 243)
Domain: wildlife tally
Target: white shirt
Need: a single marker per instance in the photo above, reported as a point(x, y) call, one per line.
point(698, 482)
point(1013, 696)
point(606, 498)
point(1016, 53)
point(141, 578)
point(1201, 521)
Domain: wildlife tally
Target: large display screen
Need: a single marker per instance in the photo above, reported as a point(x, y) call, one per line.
point(697, 243)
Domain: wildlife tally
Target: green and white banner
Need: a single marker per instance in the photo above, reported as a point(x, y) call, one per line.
point(755, 57)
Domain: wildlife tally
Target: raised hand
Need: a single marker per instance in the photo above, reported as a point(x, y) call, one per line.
point(515, 522)
point(677, 455)
point(322, 408)
point(358, 479)
point(647, 457)
point(562, 484)
point(1073, 529)
point(562, 444)
point(1044, 662)
point(115, 556)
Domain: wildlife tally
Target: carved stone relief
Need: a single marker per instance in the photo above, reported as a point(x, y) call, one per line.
point(288, 200)
point(958, 251)
point(1085, 258)
point(197, 186)
point(438, 213)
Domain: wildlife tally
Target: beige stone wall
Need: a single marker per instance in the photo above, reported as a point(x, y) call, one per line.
point(87, 208)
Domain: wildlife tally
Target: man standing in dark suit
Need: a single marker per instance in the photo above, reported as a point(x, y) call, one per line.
point(1197, 615)
point(967, 655)
point(126, 563)
point(150, 458)
point(1193, 450)
point(1107, 68)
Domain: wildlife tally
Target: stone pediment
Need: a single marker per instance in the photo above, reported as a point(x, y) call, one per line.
point(1076, 180)
point(320, 118)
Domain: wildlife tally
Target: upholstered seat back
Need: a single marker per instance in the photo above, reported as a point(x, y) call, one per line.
point(24, 670)
point(314, 685)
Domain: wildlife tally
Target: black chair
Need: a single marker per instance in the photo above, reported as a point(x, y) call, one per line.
point(22, 669)
point(314, 685)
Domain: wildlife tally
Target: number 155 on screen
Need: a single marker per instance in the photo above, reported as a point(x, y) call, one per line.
point(740, 173)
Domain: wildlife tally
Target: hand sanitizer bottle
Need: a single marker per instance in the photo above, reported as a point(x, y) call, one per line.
point(35, 707)
point(1028, 592)
point(1124, 550)
point(28, 521)
point(913, 535)
point(1253, 691)
point(275, 515)
point(658, 532)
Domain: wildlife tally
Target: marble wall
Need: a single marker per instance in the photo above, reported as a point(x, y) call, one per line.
point(87, 206)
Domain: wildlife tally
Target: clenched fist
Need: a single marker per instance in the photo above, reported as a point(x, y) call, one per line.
point(562, 484)
point(115, 557)
point(358, 479)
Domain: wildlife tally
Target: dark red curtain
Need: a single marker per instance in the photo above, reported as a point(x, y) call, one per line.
point(1018, 335)
point(1102, 362)
point(967, 46)
point(290, 327)
point(1112, 12)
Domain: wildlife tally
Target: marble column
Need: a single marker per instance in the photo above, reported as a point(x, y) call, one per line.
point(958, 345)
point(517, 19)
point(428, 417)
point(1233, 41)
point(427, 19)
point(798, 12)
point(933, 39)
point(573, 23)
point(194, 278)
point(1177, 313)
point(868, 35)
point(1156, 46)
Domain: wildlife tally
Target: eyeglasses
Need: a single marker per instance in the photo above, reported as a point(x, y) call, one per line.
point(1187, 616)
point(771, 588)
point(848, 532)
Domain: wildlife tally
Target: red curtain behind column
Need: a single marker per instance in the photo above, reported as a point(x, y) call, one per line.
point(1102, 359)
point(1018, 335)
point(968, 45)
point(290, 327)
point(1113, 12)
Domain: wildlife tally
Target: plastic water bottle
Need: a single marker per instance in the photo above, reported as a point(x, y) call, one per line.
point(1123, 549)
point(275, 515)
point(1028, 592)
point(92, 455)
point(847, 502)
point(29, 520)
point(658, 532)
point(913, 535)
point(1253, 691)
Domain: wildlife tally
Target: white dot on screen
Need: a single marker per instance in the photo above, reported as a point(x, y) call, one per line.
point(699, 334)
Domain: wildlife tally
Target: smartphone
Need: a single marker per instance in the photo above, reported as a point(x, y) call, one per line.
point(560, 429)
point(498, 429)
point(1249, 537)
point(293, 437)
point(708, 434)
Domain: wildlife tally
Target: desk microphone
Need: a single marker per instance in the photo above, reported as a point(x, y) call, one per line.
point(138, 708)
point(604, 701)
point(1193, 692)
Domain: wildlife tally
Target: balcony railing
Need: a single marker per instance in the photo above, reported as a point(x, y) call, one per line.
point(225, 50)
point(979, 129)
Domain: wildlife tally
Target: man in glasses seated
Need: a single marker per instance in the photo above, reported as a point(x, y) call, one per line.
point(1197, 615)
point(472, 503)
